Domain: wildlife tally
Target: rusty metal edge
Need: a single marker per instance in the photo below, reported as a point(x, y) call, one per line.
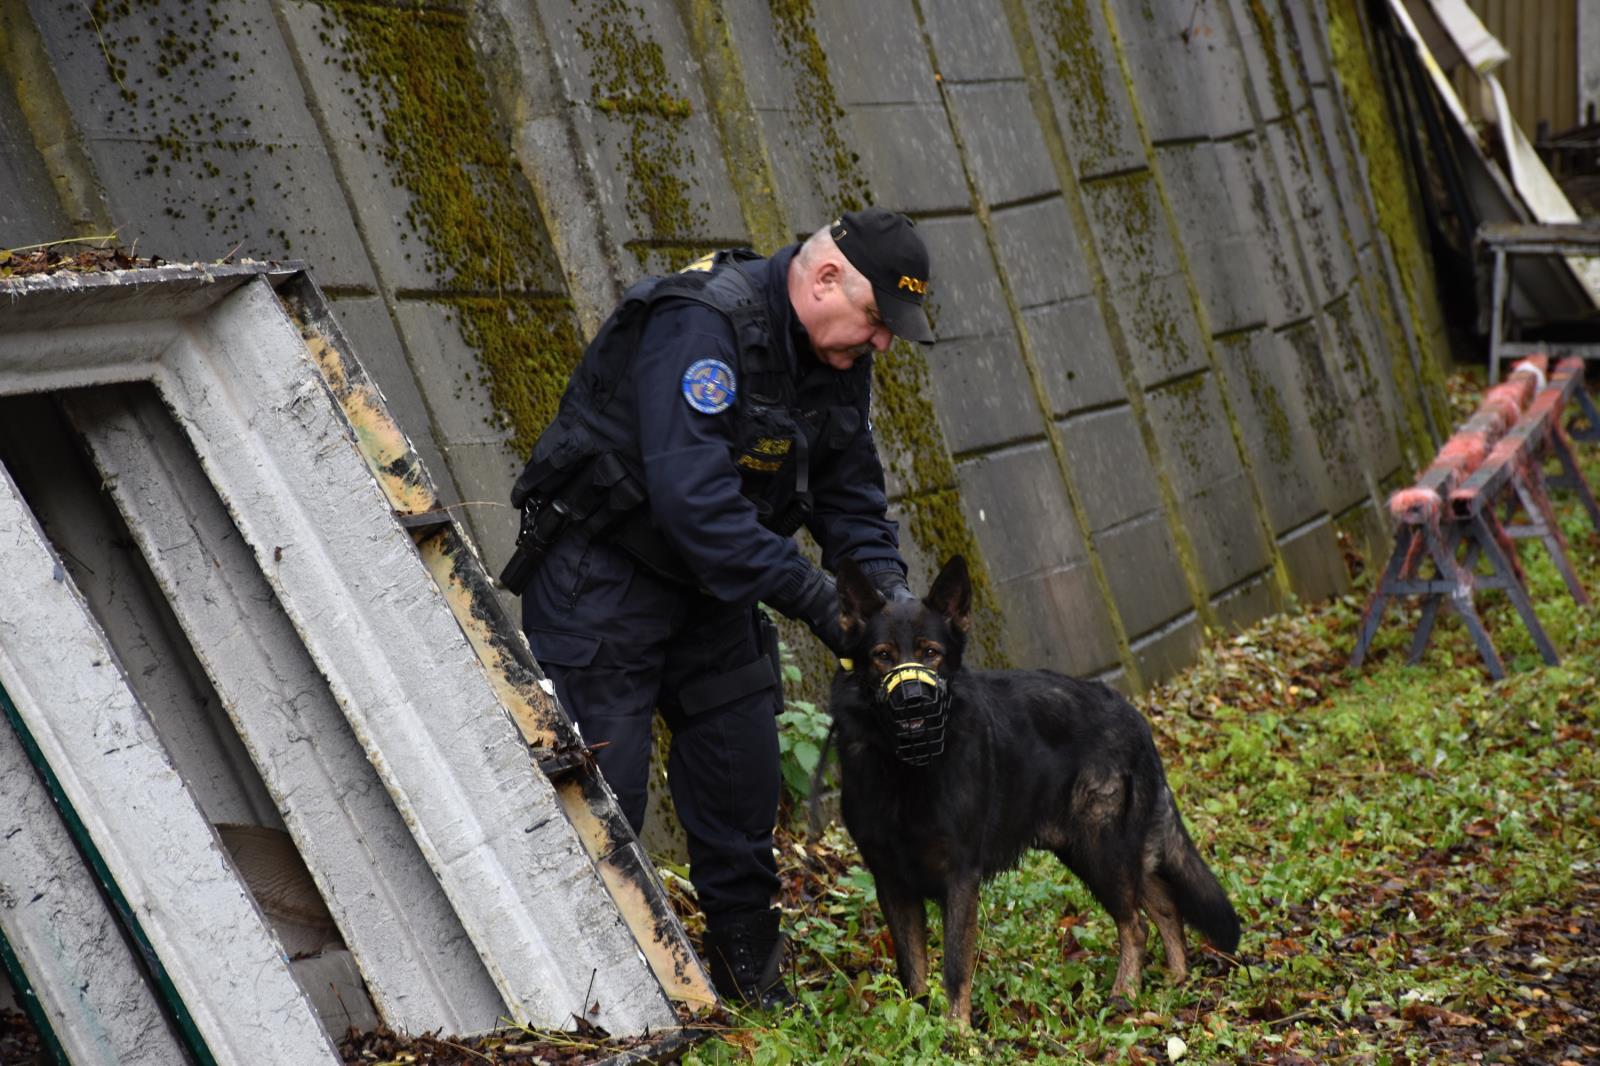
point(500, 645)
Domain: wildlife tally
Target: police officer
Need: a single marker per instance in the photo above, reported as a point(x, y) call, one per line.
point(716, 412)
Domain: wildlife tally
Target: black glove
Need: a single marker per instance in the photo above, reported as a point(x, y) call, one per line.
point(816, 603)
point(891, 584)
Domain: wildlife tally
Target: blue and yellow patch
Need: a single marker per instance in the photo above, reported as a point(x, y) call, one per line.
point(709, 386)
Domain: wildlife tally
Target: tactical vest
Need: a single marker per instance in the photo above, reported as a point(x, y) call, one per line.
point(780, 426)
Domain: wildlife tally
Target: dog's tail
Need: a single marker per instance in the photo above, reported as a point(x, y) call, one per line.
point(1201, 901)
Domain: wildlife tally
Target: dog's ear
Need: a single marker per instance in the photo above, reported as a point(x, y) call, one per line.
point(859, 599)
point(951, 594)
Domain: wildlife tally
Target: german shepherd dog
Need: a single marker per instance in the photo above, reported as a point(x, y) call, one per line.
point(1029, 759)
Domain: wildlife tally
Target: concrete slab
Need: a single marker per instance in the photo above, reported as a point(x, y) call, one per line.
point(1314, 560)
point(486, 472)
point(419, 965)
point(1130, 229)
point(451, 372)
point(1226, 256)
point(1159, 326)
point(875, 52)
point(1275, 83)
point(982, 393)
point(1189, 79)
point(1248, 172)
point(1057, 620)
point(1016, 505)
point(1092, 110)
point(969, 39)
point(52, 916)
point(30, 213)
point(209, 113)
point(1346, 170)
point(1303, 186)
point(1073, 350)
point(1226, 534)
point(1142, 569)
point(1244, 605)
point(1191, 429)
point(1110, 466)
point(1262, 379)
point(393, 653)
point(643, 122)
point(114, 771)
point(1328, 416)
point(1168, 649)
point(964, 294)
point(1003, 144)
point(63, 492)
point(926, 180)
point(1369, 382)
point(1040, 252)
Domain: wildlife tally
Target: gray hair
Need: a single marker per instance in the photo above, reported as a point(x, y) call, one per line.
point(820, 248)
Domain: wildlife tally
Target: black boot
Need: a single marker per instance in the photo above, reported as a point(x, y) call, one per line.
point(745, 954)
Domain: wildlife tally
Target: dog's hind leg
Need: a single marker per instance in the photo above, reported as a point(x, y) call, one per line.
point(1114, 882)
point(1158, 904)
point(907, 919)
point(960, 907)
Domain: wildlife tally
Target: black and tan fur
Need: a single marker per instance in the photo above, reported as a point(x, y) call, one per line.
point(1033, 759)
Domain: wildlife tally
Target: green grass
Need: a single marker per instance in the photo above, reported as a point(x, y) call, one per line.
point(1413, 851)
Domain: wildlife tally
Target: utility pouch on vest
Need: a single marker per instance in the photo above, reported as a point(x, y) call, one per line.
point(595, 498)
point(558, 456)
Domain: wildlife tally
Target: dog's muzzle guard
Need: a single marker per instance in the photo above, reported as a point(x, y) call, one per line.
point(918, 700)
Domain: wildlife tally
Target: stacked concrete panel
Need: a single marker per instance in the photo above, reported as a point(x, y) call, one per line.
point(1175, 350)
point(230, 636)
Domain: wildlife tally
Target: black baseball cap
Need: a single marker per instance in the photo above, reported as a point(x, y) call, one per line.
point(886, 248)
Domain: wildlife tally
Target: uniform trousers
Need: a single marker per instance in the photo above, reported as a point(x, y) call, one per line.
point(621, 643)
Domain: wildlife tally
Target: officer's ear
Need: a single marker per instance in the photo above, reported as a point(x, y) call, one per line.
point(859, 599)
point(827, 274)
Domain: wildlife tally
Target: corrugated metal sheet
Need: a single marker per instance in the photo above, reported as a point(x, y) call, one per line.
point(1541, 80)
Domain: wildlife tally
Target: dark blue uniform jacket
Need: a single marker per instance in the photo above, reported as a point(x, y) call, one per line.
point(689, 457)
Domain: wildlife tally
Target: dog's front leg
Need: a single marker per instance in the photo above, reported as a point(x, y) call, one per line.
point(960, 943)
point(908, 925)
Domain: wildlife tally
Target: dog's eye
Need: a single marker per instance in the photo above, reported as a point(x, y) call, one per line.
point(882, 655)
point(930, 653)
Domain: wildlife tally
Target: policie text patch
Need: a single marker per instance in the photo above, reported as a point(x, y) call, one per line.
point(709, 386)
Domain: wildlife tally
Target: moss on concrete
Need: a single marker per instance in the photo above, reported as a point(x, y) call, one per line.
point(845, 188)
point(914, 446)
point(188, 137)
point(428, 108)
point(1392, 185)
point(630, 83)
point(1076, 65)
point(1277, 433)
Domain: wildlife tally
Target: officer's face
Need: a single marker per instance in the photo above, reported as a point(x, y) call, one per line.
point(844, 323)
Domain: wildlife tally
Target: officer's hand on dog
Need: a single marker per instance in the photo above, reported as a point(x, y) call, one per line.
point(891, 584)
point(816, 603)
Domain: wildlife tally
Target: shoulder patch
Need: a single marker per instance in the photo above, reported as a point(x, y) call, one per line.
point(709, 386)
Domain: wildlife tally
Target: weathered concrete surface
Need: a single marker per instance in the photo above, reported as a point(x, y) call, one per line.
point(63, 493)
point(112, 767)
point(249, 397)
point(1119, 194)
point(53, 917)
point(420, 968)
point(394, 655)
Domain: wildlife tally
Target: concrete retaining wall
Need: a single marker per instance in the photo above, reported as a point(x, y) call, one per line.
point(1185, 328)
